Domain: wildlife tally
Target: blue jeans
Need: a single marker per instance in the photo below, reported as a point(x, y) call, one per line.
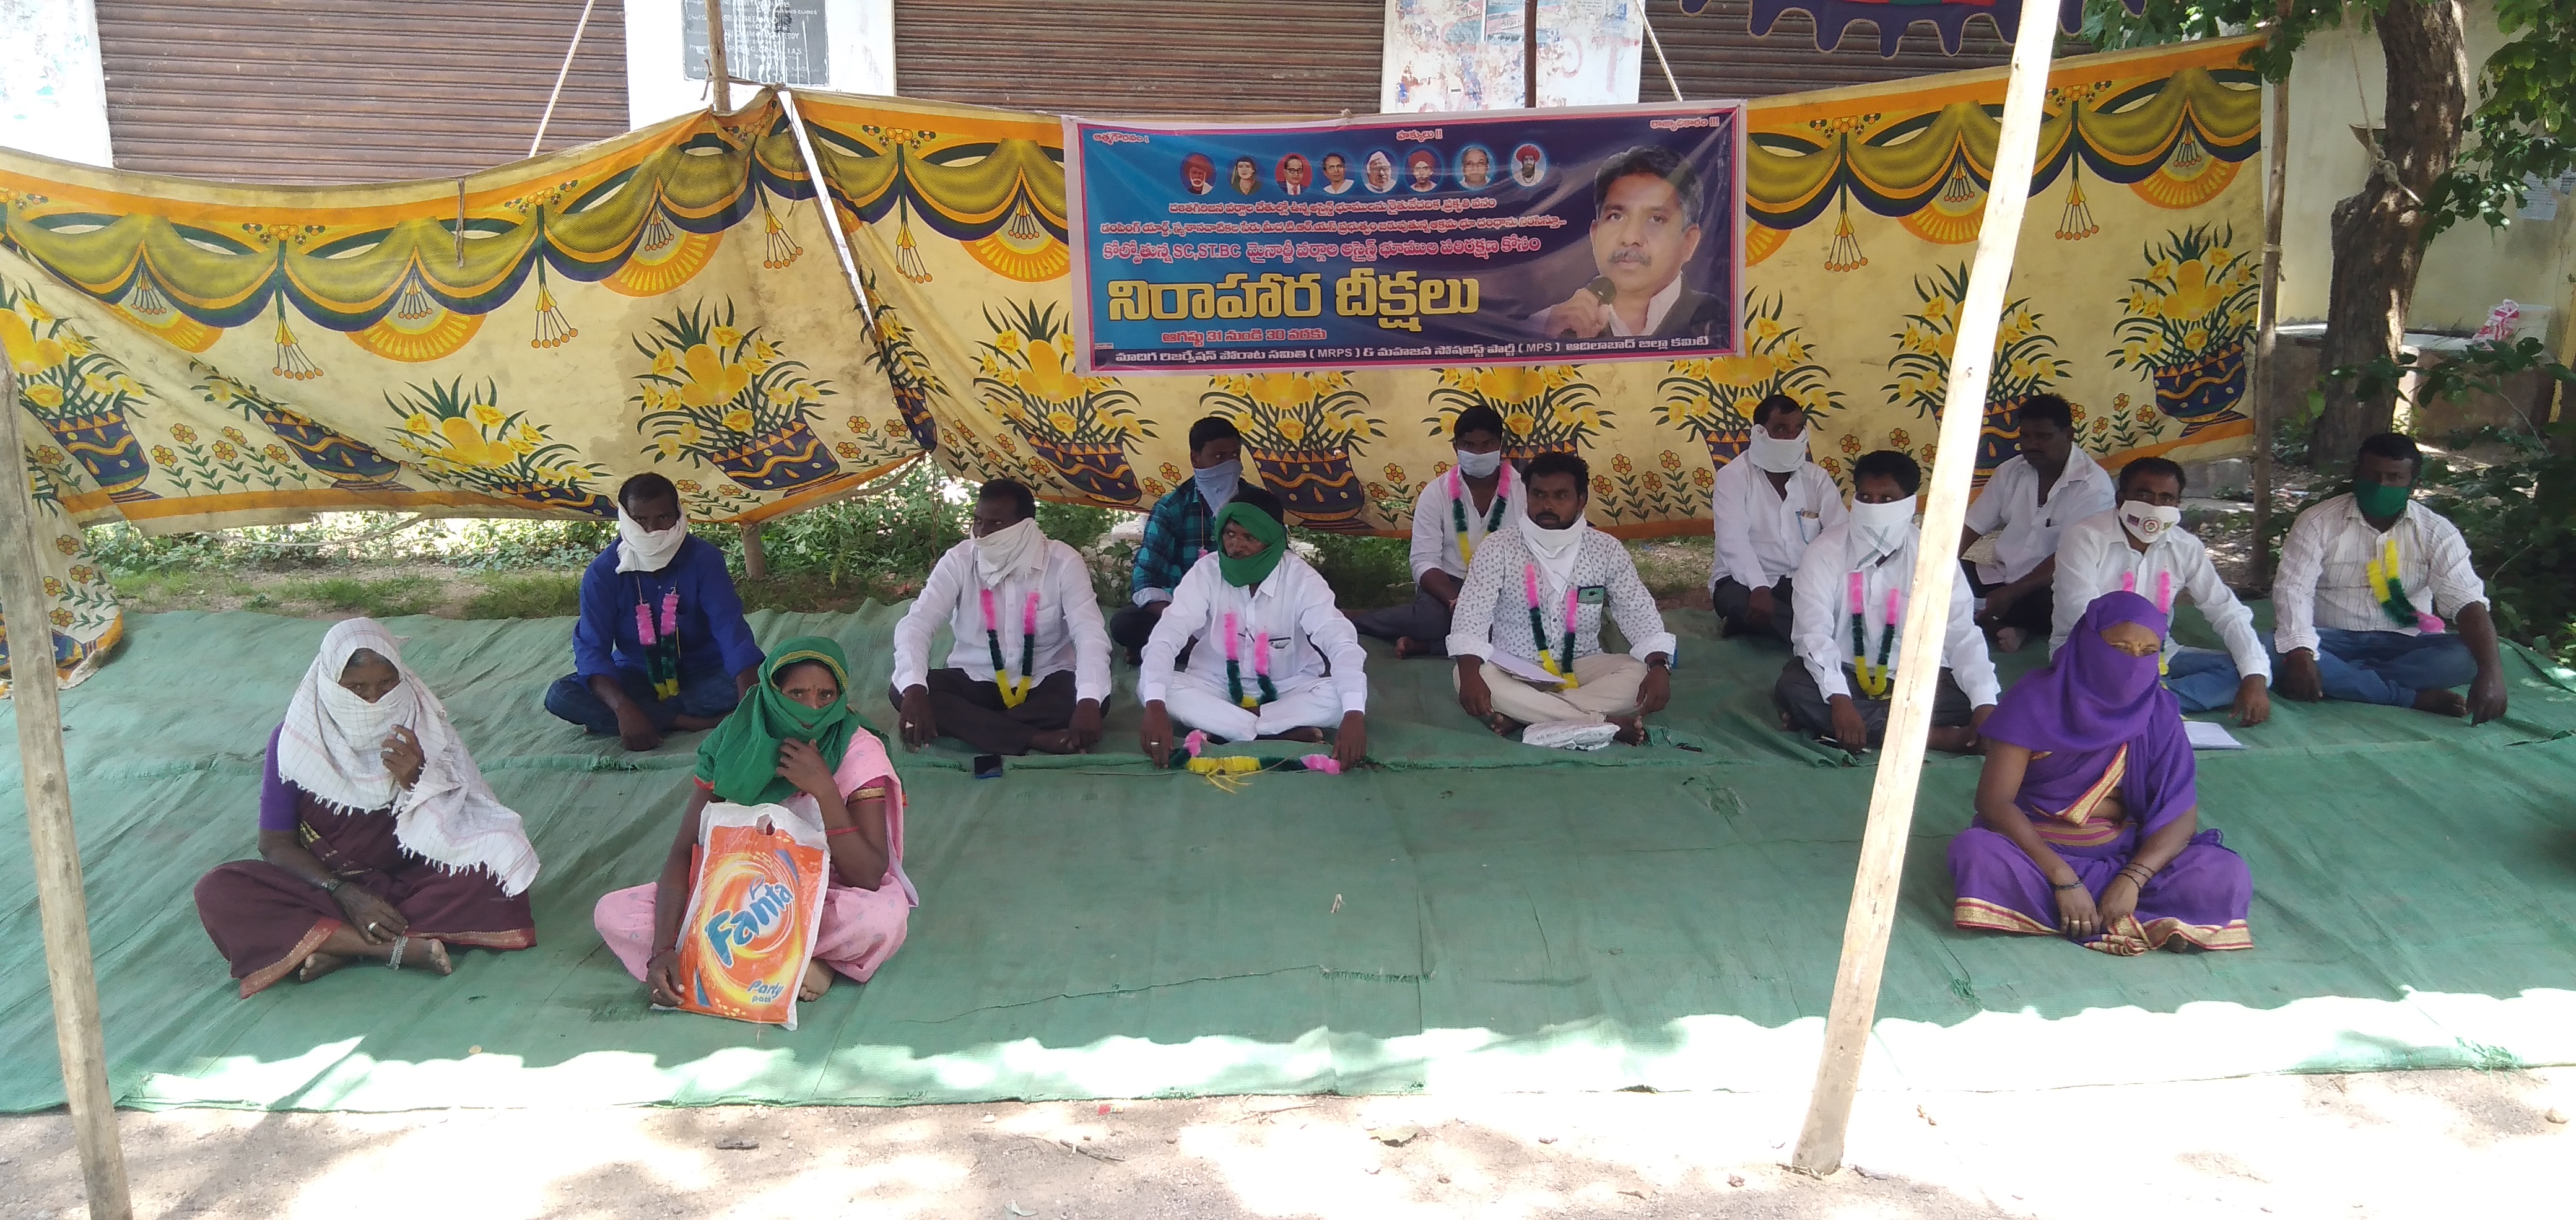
point(2388, 667)
point(2203, 679)
point(708, 693)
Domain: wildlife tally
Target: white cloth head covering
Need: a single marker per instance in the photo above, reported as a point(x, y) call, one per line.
point(642, 550)
point(332, 745)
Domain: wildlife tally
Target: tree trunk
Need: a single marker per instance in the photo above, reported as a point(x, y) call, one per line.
point(2379, 233)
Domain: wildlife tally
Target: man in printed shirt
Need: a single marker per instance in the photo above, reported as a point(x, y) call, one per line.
point(1555, 555)
point(2341, 634)
point(1768, 505)
point(2140, 546)
point(1181, 528)
point(1057, 675)
point(1816, 691)
point(2032, 498)
point(1479, 496)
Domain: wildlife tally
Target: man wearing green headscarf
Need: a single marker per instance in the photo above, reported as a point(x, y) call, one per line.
point(1275, 657)
point(2364, 582)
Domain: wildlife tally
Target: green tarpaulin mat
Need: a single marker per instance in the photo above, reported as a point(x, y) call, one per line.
point(1476, 915)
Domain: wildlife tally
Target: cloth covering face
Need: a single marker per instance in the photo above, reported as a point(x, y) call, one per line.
point(332, 746)
point(1013, 549)
point(1268, 530)
point(642, 550)
point(739, 759)
point(2095, 702)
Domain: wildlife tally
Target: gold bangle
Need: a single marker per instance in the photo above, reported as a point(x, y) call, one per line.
point(869, 792)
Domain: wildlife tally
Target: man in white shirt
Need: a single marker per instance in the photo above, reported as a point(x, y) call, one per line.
point(2139, 547)
point(2028, 502)
point(1530, 618)
point(1768, 507)
point(1816, 691)
point(2349, 625)
point(1274, 658)
point(1479, 496)
point(1028, 665)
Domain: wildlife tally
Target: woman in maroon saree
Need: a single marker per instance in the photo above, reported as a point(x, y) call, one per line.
point(378, 837)
point(2088, 809)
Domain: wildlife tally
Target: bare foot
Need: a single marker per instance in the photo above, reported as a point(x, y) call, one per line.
point(1405, 647)
point(1056, 741)
point(422, 953)
point(1954, 740)
point(818, 979)
point(2441, 703)
point(1632, 730)
point(1502, 725)
point(2009, 639)
point(318, 964)
point(1310, 736)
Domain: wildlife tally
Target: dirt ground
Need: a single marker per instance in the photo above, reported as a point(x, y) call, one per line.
point(2423, 1144)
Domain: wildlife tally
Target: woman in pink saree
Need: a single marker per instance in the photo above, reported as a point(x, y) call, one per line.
point(798, 719)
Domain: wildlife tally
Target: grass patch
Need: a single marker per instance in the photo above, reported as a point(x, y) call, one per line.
point(389, 597)
point(178, 590)
point(1674, 568)
point(527, 595)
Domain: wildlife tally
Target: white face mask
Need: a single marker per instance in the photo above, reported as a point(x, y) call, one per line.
point(1479, 465)
point(1009, 549)
point(2148, 522)
point(640, 550)
point(1770, 453)
point(1882, 527)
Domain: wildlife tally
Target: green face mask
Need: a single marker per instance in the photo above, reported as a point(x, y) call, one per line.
point(2380, 499)
point(1272, 535)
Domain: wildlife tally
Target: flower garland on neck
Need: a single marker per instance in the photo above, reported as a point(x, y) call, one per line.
point(662, 649)
point(1561, 665)
point(1014, 691)
point(1260, 666)
point(1875, 680)
point(2389, 588)
point(1458, 499)
point(2164, 605)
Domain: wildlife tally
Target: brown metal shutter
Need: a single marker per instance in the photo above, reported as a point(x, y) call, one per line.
point(1715, 54)
point(1105, 57)
point(352, 90)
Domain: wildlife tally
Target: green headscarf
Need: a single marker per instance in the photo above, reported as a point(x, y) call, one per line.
point(1261, 525)
point(740, 758)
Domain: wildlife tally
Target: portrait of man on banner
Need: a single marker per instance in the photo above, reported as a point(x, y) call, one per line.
point(1646, 208)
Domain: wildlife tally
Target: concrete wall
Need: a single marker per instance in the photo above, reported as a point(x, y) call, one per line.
point(53, 96)
point(2469, 268)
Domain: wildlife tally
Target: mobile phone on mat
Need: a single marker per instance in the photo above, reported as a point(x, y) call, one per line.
point(988, 766)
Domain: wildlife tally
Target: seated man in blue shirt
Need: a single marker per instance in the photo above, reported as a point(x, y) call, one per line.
point(661, 645)
point(1181, 528)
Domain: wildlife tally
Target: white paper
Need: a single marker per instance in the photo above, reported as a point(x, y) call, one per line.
point(2210, 735)
point(1524, 669)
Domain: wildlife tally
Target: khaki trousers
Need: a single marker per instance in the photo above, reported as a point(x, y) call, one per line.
point(1605, 685)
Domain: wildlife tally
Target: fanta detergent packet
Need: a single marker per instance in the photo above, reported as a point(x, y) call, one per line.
point(755, 907)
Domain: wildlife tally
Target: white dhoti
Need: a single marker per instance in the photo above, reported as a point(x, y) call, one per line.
point(1197, 703)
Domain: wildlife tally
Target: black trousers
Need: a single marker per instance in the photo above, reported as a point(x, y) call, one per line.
point(1811, 713)
point(972, 711)
point(2035, 613)
point(1733, 601)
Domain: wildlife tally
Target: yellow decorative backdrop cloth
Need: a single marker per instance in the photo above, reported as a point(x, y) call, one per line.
point(518, 341)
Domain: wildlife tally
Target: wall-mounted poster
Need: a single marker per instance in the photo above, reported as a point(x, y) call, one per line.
point(1586, 235)
point(1450, 55)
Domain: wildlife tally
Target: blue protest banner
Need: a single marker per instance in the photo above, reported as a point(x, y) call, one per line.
point(1578, 235)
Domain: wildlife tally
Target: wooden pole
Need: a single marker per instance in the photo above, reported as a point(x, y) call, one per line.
point(1909, 721)
point(2267, 326)
point(719, 74)
point(560, 74)
point(755, 561)
point(59, 901)
point(1529, 54)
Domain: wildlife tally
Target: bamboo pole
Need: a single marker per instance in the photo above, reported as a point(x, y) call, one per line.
point(1909, 721)
point(1529, 54)
point(56, 852)
point(560, 75)
point(2267, 332)
point(719, 74)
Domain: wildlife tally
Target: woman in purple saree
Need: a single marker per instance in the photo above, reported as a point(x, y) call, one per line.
point(2087, 811)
